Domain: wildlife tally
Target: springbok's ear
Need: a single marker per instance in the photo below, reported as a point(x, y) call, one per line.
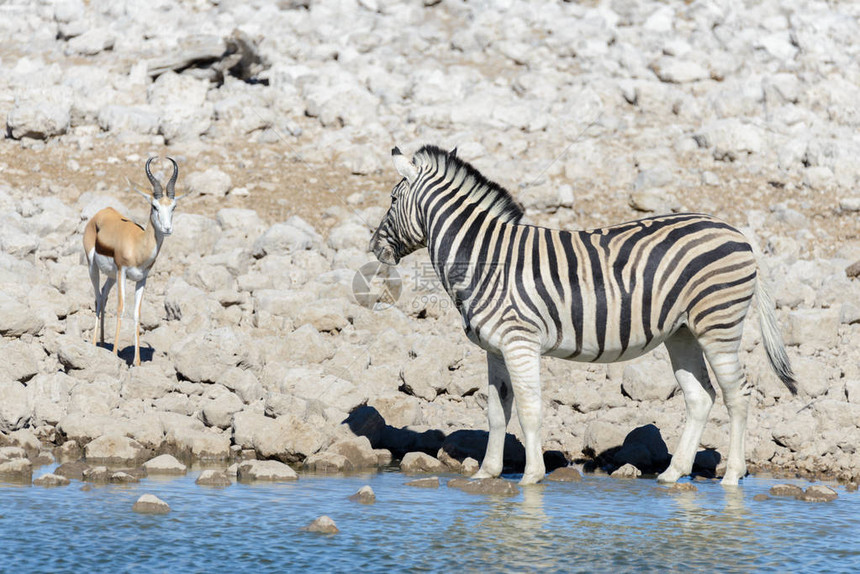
point(134, 188)
point(404, 166)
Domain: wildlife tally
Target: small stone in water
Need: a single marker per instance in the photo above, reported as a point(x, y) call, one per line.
point(683, 487)
point(760, 497)
point(785, 490)
point(323, 524)
point(150, 504)
point(164, 464)
point(123, 477)
point(429, 482)
point(97, 474)
point(818, 493)
point(497, 486)
point(51, 480)
point(213, 478)
point(72, 470)
point(365, 495)
point(564, 474)
point(269, 470)
point(627, 471)
point(469, 466)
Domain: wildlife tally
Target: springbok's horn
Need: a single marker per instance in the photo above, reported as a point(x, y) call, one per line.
point(170, 192)
point(156, 187)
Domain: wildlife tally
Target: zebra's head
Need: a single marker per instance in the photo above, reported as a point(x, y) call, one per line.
point(401, 231)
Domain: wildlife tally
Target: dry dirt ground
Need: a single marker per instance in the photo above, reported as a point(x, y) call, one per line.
point(282, 183)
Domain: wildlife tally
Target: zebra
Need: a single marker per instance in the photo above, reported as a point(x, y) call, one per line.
point(610, 294)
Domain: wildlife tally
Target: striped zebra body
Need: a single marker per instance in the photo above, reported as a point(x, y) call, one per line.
point(604, 295)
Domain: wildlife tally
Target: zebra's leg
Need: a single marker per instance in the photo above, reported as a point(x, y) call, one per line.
point(499, 400)
point(688, 362)
point(736, 393)
point(522, 359)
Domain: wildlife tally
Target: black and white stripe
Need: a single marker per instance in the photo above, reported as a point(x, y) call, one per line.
point(603, 295)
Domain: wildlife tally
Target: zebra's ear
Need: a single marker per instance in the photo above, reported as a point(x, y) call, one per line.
point(404, 166)
point(453, 152)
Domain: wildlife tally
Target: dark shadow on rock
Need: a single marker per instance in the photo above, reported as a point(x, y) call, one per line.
point(706, 463)
point(643, 447)
point(127, 354)
point(459, 445)
point(462, 444)
point(366, 421)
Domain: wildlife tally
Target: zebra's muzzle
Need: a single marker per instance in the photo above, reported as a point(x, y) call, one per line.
point(385, 254)
point(383, 250)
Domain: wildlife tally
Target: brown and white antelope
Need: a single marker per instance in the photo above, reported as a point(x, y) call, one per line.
point(120, 248)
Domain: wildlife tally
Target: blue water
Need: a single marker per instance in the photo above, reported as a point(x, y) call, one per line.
point(599, 524)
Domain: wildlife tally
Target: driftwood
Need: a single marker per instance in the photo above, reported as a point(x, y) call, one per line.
point(212, 57)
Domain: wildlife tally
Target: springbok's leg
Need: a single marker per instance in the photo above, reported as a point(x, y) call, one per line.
point(500, 397)
point(692, 375)
point(522, 358)
point(138, 297)
point(109, 283)
point(94, 277)
point(120, 279)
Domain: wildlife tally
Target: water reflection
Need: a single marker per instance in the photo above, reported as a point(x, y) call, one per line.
point(598, 524)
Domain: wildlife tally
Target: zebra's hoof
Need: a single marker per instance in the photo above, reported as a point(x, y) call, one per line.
point(530, 479)
point(669, 476)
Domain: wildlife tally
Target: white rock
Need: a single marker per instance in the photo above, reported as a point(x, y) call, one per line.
point(731, 139)
point(91, 42)
point(193, 234)
point(68, 10)
point(203, 359)
point(49, 394)
point(219, 411)
point(286, 438)
point(113, 448)
point(850, 203)
point(349, 235)
point(135, 119)
point(268, 470)
point(816, 327)
point(15, 408)
point(247, 221)
point(360, 160)
point(40, 113)
point(678, 71)
point(778, 45)
point(421, 463)
point(150, 504)
point(818, 177)
point(285, 238)
point(648, 380)
point(601, 436)
point(19, 360)
point(653, 200)
point(164, 464)
point(212, 182)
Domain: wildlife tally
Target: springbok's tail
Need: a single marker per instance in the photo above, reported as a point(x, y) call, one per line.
point(771, 337)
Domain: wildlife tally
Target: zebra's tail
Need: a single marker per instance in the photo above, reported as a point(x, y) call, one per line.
point(772, 339)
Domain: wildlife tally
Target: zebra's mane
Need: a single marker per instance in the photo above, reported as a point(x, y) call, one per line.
point(500, 202)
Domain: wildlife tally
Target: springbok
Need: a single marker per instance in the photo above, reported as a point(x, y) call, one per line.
point(118, 247)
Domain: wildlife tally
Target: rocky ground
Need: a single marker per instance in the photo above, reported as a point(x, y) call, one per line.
point(281, 116)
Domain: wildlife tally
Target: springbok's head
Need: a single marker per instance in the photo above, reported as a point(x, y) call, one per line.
point(162, 203)
point(401, 231)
